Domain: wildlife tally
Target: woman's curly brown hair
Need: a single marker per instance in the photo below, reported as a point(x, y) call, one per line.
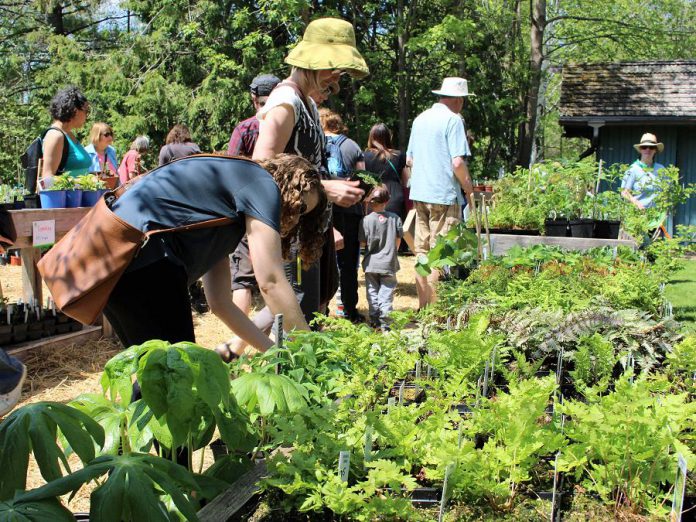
point(296, 176)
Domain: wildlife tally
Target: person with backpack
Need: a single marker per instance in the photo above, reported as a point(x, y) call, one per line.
point(344, 157)
point(60, 150)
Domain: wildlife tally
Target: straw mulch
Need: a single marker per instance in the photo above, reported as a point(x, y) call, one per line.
point(61, 375)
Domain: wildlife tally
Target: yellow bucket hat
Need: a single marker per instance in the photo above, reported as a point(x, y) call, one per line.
point(329, 43)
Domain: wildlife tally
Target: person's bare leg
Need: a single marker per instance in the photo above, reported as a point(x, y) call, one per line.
point(242, 298)
point(423, 289)
point(432, 280)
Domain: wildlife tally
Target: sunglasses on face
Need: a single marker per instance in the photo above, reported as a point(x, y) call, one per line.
point(108, 134)
point(647, 147)
point(87, 110)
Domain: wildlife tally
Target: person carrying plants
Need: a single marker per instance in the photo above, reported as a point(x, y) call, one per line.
point(639, 182)
point(275, 202)
point(289, 123)
point(69, 109)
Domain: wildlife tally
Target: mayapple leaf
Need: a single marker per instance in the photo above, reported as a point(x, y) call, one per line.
point(19, 510)
point(134, 489)
point(34, 428)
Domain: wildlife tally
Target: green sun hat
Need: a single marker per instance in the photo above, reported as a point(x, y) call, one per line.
point(329, 43)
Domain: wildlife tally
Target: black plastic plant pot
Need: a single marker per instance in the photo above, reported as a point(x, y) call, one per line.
point(556, 227)
point(49, 324)
point(35, 330)
point(515, 231)
point(81, 517)
point(464, 410)
point(76, 326)
point(581, 227)
point(607, 229)
point(219, 449)
point(6, 206)
point(426, 497)
point(5, 334)
point(412, 393)
point(32, 201)
point(19, 332)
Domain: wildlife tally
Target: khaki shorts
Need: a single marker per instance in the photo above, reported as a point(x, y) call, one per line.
point(433, 220)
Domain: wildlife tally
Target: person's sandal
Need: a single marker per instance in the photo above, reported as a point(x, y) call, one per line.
point(226, 353)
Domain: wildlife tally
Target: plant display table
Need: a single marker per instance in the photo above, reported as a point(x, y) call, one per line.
point(22, 221)
point(501, 243)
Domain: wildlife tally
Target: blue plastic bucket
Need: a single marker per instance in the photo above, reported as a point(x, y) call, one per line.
point(90, 197)
point(53, 198)
point(73, 198)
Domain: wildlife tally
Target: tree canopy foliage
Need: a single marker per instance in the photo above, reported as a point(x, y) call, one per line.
point(148, 64)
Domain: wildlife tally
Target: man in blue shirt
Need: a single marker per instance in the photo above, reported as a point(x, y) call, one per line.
point(437, 152)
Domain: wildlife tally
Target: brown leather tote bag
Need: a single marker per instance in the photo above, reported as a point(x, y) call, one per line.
point(82, 269)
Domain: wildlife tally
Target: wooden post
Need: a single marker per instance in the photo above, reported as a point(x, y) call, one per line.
point(31, 279)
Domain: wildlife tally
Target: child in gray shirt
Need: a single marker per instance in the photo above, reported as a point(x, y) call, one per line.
point(380, 233)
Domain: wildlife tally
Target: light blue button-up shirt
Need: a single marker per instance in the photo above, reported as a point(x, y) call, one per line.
point(641, 180)
point(437, 137)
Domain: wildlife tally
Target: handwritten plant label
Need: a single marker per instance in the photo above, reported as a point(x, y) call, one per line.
point(343, 465)
point(43, 233)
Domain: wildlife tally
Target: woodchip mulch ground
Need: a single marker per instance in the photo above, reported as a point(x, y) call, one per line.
point(61, 375)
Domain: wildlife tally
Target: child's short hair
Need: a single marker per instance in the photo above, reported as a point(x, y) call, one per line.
point(379, 194)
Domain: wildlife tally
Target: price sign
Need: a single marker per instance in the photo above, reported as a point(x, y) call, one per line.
point(43, 233)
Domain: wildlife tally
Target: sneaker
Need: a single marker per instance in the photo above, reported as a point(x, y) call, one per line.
point(8, 400)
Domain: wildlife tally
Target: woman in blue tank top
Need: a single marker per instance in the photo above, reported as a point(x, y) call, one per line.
point(69, 110)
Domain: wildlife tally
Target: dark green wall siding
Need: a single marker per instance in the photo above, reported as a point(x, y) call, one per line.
point(616, 146)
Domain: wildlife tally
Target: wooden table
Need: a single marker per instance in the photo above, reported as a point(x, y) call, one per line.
point(65, 219)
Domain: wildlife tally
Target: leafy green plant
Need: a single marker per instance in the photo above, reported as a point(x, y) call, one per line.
point(187, 391)
point(34, 429)
point(594, 360)
point(623, 445)
point(89, 182)
point(457, 248)
point(20, 510)
point(63, 182)
point(137, 487)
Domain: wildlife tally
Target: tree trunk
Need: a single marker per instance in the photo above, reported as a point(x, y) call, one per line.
point(528, 129)
point(403, 96)
point(55, 19)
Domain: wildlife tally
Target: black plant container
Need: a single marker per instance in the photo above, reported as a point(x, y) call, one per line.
point(19, 332)
point(556, 227)
point(581, 228)
point(607, 229)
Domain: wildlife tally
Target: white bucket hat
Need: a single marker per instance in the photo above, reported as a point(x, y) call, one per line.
point(454, 87)
point(649, 140)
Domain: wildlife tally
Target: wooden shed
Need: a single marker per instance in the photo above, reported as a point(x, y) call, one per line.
point(613, 104)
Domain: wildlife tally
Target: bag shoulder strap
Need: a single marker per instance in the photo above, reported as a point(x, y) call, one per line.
point(66, 146)
point(393, 168)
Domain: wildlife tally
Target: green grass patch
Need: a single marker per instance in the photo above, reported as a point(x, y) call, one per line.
point(681, 291)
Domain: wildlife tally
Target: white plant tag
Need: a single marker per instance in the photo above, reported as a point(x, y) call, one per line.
point(368, 443)
point(343, 465)
point(401, 392)
point(679, 489)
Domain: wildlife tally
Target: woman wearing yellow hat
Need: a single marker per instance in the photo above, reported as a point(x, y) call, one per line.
point(289, 123)
point(639, 183)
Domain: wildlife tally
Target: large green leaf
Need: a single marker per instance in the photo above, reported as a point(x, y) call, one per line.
point(46, 510)
point(33, 428)
point(268, 393)
point(117, 420)
point(135, 488)
point(117, 378)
